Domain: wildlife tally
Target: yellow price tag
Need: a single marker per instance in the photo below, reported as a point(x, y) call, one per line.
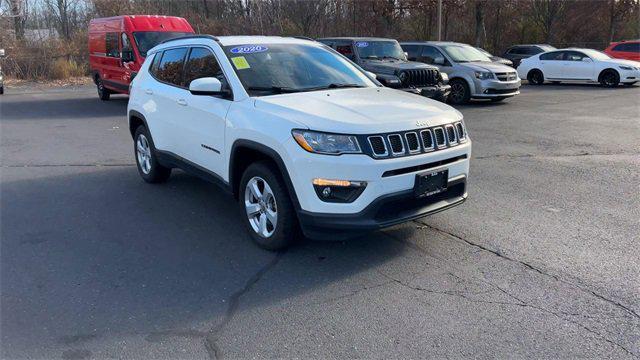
point(240, 62)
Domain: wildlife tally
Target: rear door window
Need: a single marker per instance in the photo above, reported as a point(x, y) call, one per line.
point(412, 51)
point(170, 68)
point(628, 47)
point(574, 56)
point(555, 55)
point(111, 44)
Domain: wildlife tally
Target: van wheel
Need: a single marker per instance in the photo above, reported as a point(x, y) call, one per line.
point(460, 93)
point(535, 77)
point(103, 93)
point(609, 78)
point(268, 212)
point(145, 152)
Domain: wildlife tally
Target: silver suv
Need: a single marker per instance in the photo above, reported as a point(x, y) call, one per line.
point(472, 75)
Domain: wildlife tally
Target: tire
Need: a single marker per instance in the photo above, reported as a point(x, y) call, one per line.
point(535, 77)
point(460, 93)
point(144, 151)
point(609, 78)
point(630, 84)
point(497, 99)
point(268, 203)
point(1, 90)
point(103, 93)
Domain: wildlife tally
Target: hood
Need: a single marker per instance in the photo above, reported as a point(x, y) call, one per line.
point(501, 60)
point(488, 66)
point(359, 111)
point(391, 66)
point(621, 62)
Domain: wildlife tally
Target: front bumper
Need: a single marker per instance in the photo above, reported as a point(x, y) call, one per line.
point(437, 92)
point(492, 88)
point(385, 211)
point(629, 76)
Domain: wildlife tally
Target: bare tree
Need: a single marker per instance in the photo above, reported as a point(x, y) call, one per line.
point(545, 14)
point(18, 13)
point(480, 29)
point(619, 10)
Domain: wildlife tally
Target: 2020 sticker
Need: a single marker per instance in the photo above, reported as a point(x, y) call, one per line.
point(249, 49)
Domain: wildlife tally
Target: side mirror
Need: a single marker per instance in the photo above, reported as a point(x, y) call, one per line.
point(586, 59)
point(406, 55)
point(206, 86)
point(127, 56)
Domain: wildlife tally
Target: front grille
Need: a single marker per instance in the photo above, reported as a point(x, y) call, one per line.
point(452, 137)
point(397, 146)
point(440, 139)
point(412, 142)
point(427, 139)
point(419, 77)
point(405, 143)
point(378, 146)
point(507, 76)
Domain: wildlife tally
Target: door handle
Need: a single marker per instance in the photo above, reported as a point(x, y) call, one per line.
point(182, 102)
point(149, 91)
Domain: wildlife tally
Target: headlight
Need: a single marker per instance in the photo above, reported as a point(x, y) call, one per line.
point(444, 77)
point(627, 67)
point(325, 143)
point(389, 80)
point(482, 75)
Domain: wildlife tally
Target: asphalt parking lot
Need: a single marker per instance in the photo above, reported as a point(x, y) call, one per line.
point(542, 261)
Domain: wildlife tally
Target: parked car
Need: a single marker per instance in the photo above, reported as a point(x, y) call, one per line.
point(496, 59)
point(518, 52)
point(385, 59)
point(472, 75)
point(579, 65)
point(118, 46)
point(301, 136)
point(629, 50)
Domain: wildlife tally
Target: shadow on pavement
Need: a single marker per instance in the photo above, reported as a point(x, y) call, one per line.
point(98, 252)
point(30, 107)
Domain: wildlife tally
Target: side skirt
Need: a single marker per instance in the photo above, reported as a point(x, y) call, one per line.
point(169, 159)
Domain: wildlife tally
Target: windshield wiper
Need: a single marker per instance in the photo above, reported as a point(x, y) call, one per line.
point(334, 86)
point(390, 57)
point(274, 89)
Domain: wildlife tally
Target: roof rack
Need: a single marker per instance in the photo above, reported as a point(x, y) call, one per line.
point(192, 37)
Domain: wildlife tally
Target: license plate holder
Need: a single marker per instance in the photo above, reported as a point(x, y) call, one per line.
point(431, 183)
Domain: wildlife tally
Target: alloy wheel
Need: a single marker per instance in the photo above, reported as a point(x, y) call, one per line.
point(261, 208)
point(457, 92)
point(143, 153)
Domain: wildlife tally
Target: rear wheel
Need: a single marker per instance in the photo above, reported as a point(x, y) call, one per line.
point(269, 214)
point(609, 78)
point(460, 93)
point(535, 77)
point(148, 166)
point(103, 93)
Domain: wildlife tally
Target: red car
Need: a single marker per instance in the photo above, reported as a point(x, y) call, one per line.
point(629, 50)
point(118, 46)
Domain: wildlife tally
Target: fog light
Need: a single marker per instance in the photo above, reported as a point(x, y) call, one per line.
point(338, 191)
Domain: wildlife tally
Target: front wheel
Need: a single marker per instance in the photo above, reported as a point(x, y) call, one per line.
point(146, 160)
point(269, 214)
point(609, 78)
point(103, 93)
point(460, 93)
point(535, 77)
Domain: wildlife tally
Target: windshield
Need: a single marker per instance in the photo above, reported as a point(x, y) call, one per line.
point(464, 53)
point(484, 52)
point(379, 50)
point(284, 68)
point(595, 54)
point(148, 39)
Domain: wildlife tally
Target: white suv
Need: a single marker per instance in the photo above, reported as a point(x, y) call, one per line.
point(302, 137)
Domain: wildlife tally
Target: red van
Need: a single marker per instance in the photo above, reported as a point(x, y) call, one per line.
point(629, 50)
point(119, 44)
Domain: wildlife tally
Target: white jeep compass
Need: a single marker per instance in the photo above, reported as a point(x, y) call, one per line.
point(302, 137)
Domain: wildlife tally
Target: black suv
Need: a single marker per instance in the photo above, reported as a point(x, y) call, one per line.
point(518, 52)
point(385, 58)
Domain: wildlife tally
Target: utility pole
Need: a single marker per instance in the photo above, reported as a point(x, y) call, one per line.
point(439, 20)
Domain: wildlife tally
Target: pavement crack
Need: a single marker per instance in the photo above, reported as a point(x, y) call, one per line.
point(211, 340)
point(520, 156)
point(615, 303)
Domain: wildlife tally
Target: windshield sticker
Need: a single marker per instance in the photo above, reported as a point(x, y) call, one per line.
point(249, 49)
point(362, 44)
point(240, 62)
